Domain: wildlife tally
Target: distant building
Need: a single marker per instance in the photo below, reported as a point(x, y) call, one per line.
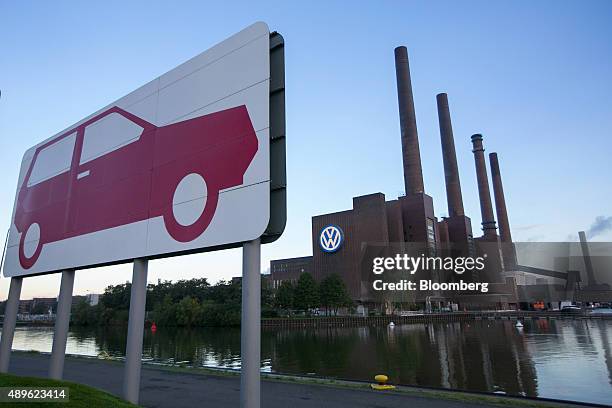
point(289, 270)
point(265, 280)
point(25, 306)
point(43, 305)
point(92, 298)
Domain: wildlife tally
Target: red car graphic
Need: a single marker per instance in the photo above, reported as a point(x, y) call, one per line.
point(116, 169)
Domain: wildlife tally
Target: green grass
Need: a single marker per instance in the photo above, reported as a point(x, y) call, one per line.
point(80, 395)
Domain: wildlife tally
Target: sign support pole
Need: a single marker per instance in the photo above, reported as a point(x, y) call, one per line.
point(133, 350)
point(10, 318)
point(62, 322)
point(250, 331)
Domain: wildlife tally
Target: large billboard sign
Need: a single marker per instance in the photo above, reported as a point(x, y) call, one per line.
point(182, 164)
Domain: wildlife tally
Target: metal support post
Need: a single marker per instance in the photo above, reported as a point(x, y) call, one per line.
point(8, 327)
point(250, 331)
point(62, 321)
point(133, 350)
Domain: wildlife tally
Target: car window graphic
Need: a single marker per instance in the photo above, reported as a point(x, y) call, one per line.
point(107, 134)
point(53, 160)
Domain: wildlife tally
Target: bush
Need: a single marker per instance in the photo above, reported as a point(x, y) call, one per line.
point(333, 294)
point(306, 295)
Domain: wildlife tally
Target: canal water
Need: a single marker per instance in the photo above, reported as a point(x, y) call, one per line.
point(563, 359)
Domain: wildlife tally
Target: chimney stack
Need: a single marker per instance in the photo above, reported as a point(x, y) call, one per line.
point(500, 200)
point(486, 208)
point(449, 156)
point(586, 256)
point(413, 174)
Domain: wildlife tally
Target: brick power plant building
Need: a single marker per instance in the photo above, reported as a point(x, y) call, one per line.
point(410, 218)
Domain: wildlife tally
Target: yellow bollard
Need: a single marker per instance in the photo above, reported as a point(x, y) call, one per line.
point(381, 385)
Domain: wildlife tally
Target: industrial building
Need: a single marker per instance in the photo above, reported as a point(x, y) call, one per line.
point(410, 218)
point(289, 269)
point(377, 225)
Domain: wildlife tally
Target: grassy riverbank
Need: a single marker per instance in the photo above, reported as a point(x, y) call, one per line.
point(81, 396)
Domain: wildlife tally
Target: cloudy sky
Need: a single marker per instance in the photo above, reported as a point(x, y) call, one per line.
point(533, 78)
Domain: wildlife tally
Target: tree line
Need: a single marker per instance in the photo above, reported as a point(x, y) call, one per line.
point(195, 302)
point(306, 295)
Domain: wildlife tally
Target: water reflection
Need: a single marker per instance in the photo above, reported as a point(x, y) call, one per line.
point(567, 359)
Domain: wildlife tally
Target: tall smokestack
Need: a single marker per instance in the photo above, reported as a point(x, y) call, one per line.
point(449, 156)
point(500, 200)
point(486, 208)
point(587, 259)
point(413, 174)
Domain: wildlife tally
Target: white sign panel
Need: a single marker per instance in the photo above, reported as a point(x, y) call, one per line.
point(180, 164)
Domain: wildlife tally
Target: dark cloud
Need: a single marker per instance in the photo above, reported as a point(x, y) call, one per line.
point(600, 225)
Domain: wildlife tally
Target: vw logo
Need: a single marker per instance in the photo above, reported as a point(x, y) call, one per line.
point(331, 238)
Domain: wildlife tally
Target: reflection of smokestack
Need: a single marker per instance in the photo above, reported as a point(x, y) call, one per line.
point(500, 200)
point(486, 208)
point(449, 156)
point(413, 175)
point(587, 259)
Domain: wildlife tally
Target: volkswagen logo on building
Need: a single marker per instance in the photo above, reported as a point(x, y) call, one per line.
point(331, 238)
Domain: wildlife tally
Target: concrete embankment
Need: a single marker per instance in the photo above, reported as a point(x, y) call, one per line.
point(357, 321)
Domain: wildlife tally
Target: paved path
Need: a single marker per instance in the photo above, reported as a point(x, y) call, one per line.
point(164, 388)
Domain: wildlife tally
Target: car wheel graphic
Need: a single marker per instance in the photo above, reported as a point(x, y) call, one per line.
point(187, 218)
point(30, 245)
